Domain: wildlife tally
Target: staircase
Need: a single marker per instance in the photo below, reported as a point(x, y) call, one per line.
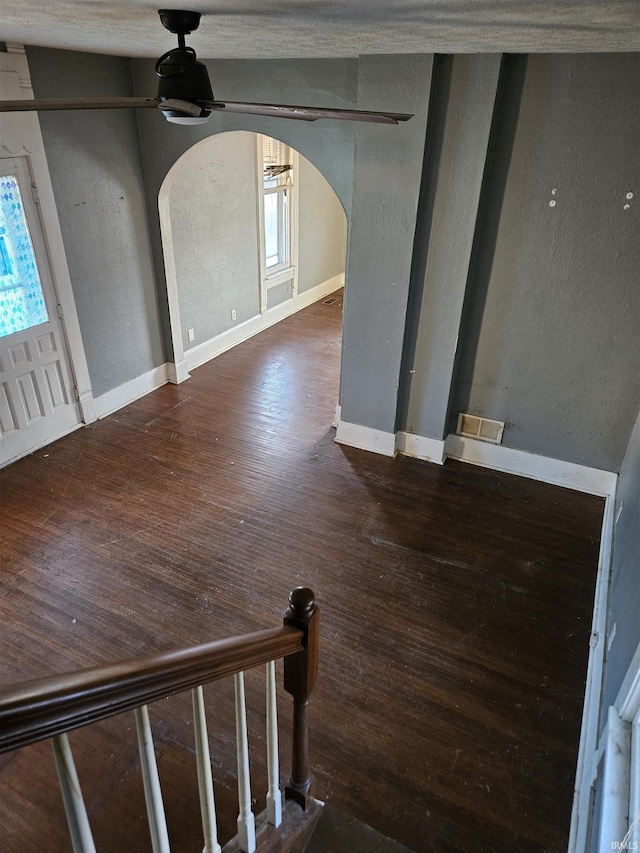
point(50, 708)
point(336, 832)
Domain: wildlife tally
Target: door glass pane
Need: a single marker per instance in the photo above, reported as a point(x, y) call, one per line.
point(22, 303)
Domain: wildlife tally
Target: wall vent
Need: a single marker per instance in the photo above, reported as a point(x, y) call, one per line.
point(471, 426)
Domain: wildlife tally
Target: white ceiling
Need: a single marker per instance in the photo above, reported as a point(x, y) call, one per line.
point(324, 28)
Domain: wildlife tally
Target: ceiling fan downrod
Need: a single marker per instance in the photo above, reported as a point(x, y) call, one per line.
point(182, 76)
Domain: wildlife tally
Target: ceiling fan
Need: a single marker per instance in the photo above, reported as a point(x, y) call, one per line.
point(184, 91)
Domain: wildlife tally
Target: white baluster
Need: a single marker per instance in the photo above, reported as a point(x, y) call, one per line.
point(205, 779)
point(274, 794)
point(81, 838)
point(151, 780)
point(246, 820)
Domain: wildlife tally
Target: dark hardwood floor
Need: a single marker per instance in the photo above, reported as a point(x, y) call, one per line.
point(456, 608)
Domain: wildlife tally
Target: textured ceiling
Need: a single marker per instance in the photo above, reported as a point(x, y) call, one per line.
point(324, 28)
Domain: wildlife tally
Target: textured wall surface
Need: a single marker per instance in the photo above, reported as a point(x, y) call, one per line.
point(213, 206)
point(96, 172)
point(278, 294)
point(625, 579)
point(549, 333)
point(328, 145)
point(460, 115)
point(322, 242)
point(214, 224)
point(551, 346)
point(386, 186)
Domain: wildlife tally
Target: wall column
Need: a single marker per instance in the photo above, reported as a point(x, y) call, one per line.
point(386, 185)
point(465, 89)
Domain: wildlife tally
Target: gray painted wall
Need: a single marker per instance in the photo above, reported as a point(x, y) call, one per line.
point(278, 294)
point(549, 340)
point(213, 205)
point(624, 604)
point(551, 344)
point(96, 172)
point(386, 183)
point(328, 145)
point(214, 224)
point(322, 82)
point(460, 118)
point(322, 241)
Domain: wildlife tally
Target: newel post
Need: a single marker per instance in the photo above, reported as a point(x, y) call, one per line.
point(300, 675)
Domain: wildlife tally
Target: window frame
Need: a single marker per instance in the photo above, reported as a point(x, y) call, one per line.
point(274, 276)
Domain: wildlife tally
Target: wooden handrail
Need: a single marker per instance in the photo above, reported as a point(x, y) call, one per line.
point(38, 709)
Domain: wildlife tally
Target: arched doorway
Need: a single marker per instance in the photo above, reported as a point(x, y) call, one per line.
point(211, 206)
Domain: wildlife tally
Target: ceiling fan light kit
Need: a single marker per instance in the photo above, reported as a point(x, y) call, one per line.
point(184, 90)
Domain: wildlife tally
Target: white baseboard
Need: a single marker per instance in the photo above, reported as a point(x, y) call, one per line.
point(121, 396)
point(495, 456)
point(87, 405)
point(543, 468)
point(366, 438)
point(204, 352)
point(420, 447)
point(178, 372)
point(556, 472)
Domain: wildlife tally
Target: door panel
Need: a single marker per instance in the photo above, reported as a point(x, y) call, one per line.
point(37, 400)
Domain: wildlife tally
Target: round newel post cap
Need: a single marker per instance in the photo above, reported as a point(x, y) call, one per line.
point(302, 600)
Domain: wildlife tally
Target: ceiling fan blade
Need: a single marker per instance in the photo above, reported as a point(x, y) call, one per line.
point(307, 113)
point(186, 107)
point(40, 104)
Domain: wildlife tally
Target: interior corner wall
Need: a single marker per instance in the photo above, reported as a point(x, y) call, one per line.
point(624, 595)
point(550, 345)
point(96, 173)
point(461, 110)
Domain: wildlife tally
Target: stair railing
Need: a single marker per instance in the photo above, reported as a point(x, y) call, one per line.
point(51, 707)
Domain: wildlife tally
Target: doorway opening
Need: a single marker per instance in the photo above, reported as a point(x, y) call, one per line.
point(252, 232)
point(37, 395)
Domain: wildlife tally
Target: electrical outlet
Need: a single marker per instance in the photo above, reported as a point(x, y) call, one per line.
point(233, 313)
point(192, 335)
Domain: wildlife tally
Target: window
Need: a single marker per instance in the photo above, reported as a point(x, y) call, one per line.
point(277, 177)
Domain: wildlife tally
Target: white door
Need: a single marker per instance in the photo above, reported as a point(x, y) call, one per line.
point(37, 397)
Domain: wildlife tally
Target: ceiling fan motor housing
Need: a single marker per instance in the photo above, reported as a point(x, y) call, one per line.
point(183, 77)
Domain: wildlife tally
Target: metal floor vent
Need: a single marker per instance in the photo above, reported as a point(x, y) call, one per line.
point(331, 301)
point(471, 426)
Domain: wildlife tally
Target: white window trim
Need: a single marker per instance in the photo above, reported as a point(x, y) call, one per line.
point(279, 275)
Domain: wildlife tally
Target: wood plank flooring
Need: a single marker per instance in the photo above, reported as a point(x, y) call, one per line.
point(456, 607)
